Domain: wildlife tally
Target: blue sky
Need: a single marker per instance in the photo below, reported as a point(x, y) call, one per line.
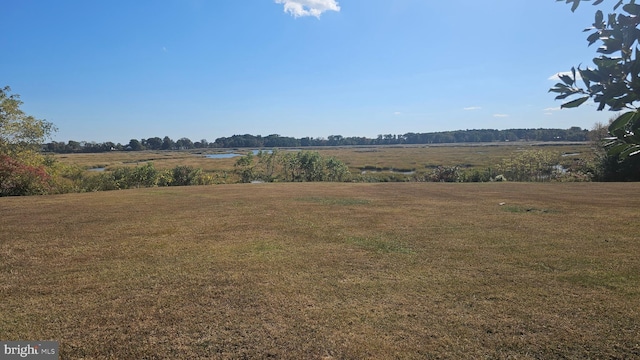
point(116, 70)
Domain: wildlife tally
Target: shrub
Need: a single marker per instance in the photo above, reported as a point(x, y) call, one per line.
point(289, 166)
point(17, 178)
point(184, 175)
point(446, 174)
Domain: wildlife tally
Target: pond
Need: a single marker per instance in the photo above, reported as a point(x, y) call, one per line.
point(229, 155)
point(392, 171)
point(222, 156)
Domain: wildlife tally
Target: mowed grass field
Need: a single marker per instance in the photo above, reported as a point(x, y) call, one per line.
point(326, 271)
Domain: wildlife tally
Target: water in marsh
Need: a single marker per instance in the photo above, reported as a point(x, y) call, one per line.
point(229, 155)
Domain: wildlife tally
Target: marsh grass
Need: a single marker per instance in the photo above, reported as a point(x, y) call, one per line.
point(291, 271)
point(383, 158)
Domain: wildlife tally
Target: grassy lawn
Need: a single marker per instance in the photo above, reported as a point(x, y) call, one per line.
point(326, 271)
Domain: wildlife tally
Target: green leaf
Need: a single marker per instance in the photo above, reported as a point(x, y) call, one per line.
point(575, 5)
point(593, 38)
point(617, 149)
point(566, 79)
point(591, 75)
point(610, 46)
point(604, 61)
point(599, 19)
point(630, 151)
point(617, 5)
point(622, 121)
point(563, 96)
point(561, 89)
point(632, 9)
point(574, 103)
point(632, 139)
point(585, 77)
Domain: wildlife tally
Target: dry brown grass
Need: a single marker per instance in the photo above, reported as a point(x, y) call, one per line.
point(421, 157)
point(160, 159)
point(334, 271)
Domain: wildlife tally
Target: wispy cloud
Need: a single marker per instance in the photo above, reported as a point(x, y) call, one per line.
point(550, 110)
point(500, 115)
point(299, 8)
point(398, 113)
point(470, 108)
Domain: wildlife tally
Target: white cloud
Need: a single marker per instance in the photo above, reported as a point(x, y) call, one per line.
point(298, 8)
point(556, 77)
point(472, 108)
point(397, 113)
point(500, 115)
point(549, 109)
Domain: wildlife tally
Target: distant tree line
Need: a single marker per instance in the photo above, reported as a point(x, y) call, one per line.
point(458, 136)
point(154, 143)
point(277, 141)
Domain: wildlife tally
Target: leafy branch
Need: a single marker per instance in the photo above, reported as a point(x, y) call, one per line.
point(614, 82)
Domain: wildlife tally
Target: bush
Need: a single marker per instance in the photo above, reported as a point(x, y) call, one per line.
point(289, 166)
point(476, 175)
point(446, 174)
point(184, 175)
point(17, 178)
point(143, 176)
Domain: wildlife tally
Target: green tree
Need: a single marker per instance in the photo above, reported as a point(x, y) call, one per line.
point(18, 131)
point(154, 143)
point(246, 165)
point(614, 82)
point(336, 170)
point(184, 143)
point(135, 145)
point(23, 169)
point(167, 143)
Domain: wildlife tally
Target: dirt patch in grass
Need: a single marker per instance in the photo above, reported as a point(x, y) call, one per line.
point(312, 271)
